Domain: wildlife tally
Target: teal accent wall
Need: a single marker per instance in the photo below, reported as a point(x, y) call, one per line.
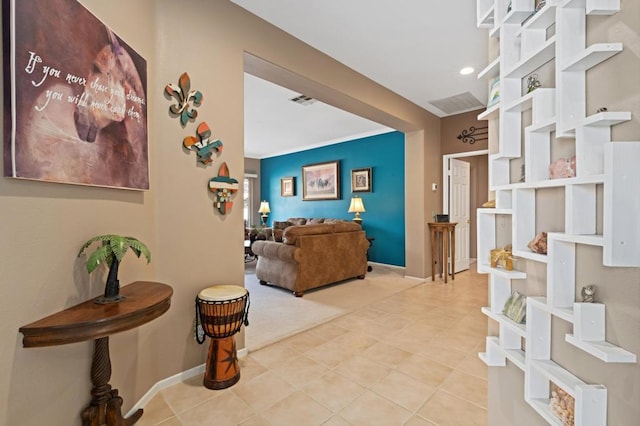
point(384, 218)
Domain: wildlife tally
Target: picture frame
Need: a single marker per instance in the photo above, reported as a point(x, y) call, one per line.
point(288, 186)
point(361, 180)
point(68, 120)
point(321, 181)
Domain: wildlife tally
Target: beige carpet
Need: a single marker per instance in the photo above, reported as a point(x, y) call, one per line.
point(275, 313)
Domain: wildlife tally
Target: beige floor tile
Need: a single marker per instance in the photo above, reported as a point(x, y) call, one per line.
point(473, 365)
point(459, 340)
point(263, 391)
point(173, 421)
point(385, 354)
point(355, 341)
point(442, 354)
point(445, 409)
point(255, 420)
point(302, 342)
point(467, 387)
point(273, 354)
point(300, 370)
point(422, 330)
point(227, 410)
point(156, 411)
point(188, 394)
point(362, 370)
point(427, 371)
point(328, 331)
point(334, 390)
point(249, 368)
point(331, 353)
point(406, 341)
point(373, 409)
point(298, 409)
point(419, 421)
point(336, 421)
point(404, 390)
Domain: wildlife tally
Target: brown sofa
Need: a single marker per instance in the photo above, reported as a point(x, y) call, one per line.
point(312, 256)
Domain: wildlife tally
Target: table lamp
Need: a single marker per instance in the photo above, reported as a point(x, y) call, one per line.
point(357, 207)
point(264, 210)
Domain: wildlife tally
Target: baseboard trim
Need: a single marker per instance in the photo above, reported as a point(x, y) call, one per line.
point(170, 381)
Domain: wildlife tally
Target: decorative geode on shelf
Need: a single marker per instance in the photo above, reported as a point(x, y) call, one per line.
point(539, 243)
point(563, 168)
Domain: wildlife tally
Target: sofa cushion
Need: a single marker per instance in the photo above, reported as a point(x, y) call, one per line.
point(293, 232)
point(278, 228)
point(297, 220)
point(313, 221)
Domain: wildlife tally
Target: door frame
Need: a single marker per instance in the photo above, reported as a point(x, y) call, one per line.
point(445, 174)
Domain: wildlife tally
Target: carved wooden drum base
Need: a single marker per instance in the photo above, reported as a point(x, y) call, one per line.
point(222, 369)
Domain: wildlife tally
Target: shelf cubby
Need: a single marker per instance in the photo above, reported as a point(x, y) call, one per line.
point(491, 70)
point(485, 14)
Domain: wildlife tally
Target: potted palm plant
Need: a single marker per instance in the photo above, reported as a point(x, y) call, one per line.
point(111, 252)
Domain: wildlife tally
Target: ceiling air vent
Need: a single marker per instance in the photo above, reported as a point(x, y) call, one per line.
point(303, 100)
point(457, 103)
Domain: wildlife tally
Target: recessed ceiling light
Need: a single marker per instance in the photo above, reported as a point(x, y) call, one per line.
point(466, 70)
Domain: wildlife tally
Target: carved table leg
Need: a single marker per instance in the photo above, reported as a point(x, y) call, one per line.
point(106, 405)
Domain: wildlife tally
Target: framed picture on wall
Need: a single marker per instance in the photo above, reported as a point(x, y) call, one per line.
point(75, 97)
point(321, 181)
point(288, 186)
point(361, 180)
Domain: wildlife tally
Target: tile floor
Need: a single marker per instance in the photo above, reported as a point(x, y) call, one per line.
point(409, 360)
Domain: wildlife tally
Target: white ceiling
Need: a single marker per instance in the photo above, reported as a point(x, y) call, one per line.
point(415, 48)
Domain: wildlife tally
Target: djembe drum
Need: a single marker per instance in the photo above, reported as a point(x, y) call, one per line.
point(220, 311)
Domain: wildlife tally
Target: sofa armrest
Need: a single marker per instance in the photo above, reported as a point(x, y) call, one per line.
point(273, 250)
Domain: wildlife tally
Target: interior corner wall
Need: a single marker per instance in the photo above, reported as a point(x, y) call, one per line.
point(44, 224)
point(384, 216)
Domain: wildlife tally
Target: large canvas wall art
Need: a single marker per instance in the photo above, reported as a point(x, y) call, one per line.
point(75, 106)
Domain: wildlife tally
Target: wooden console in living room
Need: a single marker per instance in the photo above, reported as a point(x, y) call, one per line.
point(144, 301)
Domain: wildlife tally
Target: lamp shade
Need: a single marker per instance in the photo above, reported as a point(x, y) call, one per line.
point(264, 207)
point(356, 206)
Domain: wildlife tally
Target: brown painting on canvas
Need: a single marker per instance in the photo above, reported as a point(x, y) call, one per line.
point(75, 98)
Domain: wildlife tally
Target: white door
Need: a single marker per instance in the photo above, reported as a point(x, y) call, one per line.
point(459, 210)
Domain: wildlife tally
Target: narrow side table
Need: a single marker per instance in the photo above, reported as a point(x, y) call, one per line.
point(144, 302)
point(441, 234)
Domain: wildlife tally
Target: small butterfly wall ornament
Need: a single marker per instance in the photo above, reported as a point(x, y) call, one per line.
point(202, 144)
point(184, 95)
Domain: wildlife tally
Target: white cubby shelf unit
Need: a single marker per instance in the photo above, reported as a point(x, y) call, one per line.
point(528, 40)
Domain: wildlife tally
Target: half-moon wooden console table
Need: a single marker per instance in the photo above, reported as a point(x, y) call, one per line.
point(144, 302)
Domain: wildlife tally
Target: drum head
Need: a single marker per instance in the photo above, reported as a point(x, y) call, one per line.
point(220, 293)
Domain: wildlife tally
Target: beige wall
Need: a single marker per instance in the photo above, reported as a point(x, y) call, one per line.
point(614, 84)
point(192, 245)
point(453, 126)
